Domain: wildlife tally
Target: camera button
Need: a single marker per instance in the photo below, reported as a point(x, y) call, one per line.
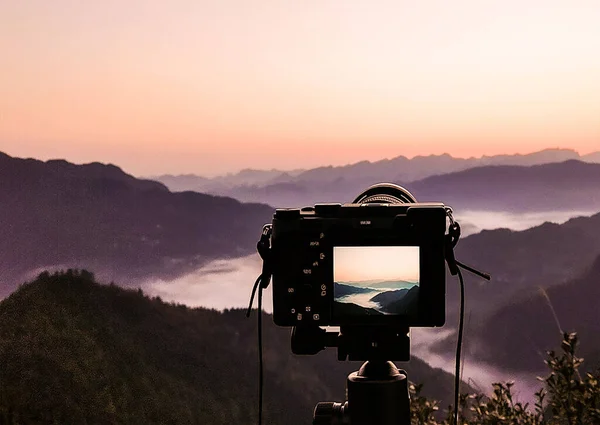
point(316, 316)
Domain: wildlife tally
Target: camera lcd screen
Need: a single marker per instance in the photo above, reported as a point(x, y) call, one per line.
point(375, 280)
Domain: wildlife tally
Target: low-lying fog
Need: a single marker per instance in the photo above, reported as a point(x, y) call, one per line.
point(228, 283)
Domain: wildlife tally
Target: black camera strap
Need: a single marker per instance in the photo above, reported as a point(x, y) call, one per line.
point(262, 282)
point(264, 250)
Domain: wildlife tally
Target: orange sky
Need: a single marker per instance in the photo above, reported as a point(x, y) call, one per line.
point(215, 86)
point(352, 263)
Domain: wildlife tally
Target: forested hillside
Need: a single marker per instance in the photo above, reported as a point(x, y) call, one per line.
point(519, 333)
point(75, 351)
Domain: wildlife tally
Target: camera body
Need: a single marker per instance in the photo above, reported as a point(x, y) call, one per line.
point(372, 264)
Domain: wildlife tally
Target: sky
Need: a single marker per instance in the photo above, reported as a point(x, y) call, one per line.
point(351, 263)
point(208, 87)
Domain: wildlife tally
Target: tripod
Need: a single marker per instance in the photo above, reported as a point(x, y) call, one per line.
point(378, 392)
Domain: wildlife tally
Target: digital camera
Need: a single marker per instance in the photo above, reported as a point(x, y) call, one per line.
point(360, 264)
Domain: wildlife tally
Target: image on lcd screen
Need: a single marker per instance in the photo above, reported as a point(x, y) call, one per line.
point(375, 280)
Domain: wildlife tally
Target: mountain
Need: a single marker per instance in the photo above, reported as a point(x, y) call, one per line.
point(591, 157)
point(549, 254)
point(397, 283)
point(511, 188)
point(343, 183)
point(341, 290)
point(517, 335)
point(387, 297)
point(75, 351)
point(408, 304)
point(542, 255)
point(183, 182)
point(519, 262)
point(58, 214)
point(569, 185)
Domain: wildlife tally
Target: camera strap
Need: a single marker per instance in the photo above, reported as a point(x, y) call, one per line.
point(264, 250)
point(262, 282)
point(451, 240)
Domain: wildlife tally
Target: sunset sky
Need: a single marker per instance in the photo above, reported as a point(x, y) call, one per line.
point(351, 263)
point(214, 86)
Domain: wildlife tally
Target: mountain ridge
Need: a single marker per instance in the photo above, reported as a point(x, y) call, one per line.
point(531, 324)
point(330, 184)
point(58, 214)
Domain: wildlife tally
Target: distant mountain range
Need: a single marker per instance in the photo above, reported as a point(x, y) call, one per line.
point(388, 284)
point(568, 185)
point(57, 214)
point(73, 352)
point(343, 183)
point(378, 283)
point(342, 289)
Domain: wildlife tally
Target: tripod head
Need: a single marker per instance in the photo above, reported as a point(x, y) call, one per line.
point(355, 343)
point(377, 395)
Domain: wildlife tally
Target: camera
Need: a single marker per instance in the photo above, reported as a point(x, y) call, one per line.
point(377, 262)
point(374, 268)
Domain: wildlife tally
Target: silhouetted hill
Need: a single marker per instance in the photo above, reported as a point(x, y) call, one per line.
point(519, 262)
point(56, 213)
point(343, 183)
point(389, 296)
point(408, 304)
point(518, 334)
point(353, 310)
point(74, 351)
point(340, 289)
point(548, 254)
point(569, 185)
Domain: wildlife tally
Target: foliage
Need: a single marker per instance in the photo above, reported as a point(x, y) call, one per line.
point(566, 398)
